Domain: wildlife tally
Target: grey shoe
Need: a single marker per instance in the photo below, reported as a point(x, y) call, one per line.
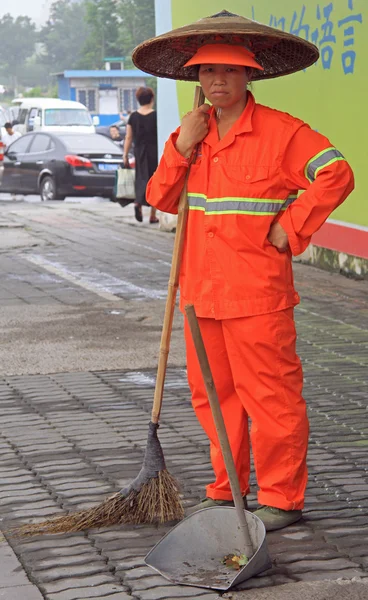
point(209, 503)
point(276, 518)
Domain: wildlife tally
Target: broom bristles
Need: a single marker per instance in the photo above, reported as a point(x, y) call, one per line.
point(157, 501)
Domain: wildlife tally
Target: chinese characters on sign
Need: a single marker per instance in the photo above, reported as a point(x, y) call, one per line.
point(328, 32)
point(348, 57)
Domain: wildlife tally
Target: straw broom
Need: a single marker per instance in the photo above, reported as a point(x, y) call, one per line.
point(153, 496)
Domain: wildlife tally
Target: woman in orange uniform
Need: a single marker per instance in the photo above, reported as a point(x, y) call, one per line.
point(245, 222)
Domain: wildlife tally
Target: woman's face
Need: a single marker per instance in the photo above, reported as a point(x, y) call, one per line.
point(223, 85)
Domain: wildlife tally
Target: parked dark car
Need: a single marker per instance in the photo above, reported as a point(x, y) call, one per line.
point(61, 165)
point(105, 129)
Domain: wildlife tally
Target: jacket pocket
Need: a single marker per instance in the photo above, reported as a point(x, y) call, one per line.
point(247, 174)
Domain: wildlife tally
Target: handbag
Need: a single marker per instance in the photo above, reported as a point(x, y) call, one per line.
point(125, 184)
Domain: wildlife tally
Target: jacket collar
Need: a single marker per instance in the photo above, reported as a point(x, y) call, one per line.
point(242, 125)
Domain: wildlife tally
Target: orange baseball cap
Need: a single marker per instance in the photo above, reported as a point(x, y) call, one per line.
point(223, 54)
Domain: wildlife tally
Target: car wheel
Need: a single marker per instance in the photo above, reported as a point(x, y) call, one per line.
point(48, 190)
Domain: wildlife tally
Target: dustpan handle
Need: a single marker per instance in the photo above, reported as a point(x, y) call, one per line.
point(172, 286)
point(220, 426)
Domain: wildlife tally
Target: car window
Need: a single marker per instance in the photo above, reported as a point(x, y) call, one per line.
point(40, 143)
point(67, 116)
point(20, 145)
point(22, 115)
point(14, 113)
point(89, 142)
point(32, 115)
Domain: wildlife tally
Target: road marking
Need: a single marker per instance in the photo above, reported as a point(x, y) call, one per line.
point(147, 380)
point(96, 281)
point(65, 274)
point(140, 245)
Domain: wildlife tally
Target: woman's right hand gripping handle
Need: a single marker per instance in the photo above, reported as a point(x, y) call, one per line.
point(165, 186)
point(194, 128)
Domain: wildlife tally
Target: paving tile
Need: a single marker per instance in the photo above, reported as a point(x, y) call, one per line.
point(168, 593)
point(147, 583)
point(86, 569)
point(11, 572)
point(74, 582)
point(39, 543)
point(100, 591)
point(332, 564)
point(322, 575)
point(22, 592)
point(265, 581)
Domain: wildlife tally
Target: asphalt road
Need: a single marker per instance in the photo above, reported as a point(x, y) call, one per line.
point(82, 287)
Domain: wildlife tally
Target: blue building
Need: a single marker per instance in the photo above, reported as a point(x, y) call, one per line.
point(106, 92)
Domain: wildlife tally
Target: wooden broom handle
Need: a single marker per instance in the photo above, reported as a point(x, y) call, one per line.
point(173, 285)
point(220, 428)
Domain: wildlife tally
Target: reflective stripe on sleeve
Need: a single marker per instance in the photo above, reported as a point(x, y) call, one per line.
point(319, 161)
point(247, 206)
point(289, 200)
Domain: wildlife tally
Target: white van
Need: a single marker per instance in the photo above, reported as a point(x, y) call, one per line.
point(53, 115)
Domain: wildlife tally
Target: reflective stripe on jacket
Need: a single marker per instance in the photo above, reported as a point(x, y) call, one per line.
point(238, 186)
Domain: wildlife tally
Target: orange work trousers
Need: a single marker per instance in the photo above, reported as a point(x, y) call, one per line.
point(257, 374)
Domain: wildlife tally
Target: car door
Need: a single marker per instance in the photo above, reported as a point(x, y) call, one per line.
point(13, 159)
point(34, 160)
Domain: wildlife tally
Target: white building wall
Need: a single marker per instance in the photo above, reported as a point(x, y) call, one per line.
point(167, 101)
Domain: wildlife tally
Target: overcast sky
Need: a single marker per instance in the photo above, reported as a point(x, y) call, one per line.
point(38, 10)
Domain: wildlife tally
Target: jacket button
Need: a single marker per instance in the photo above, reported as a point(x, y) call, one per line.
point(215, 159)
point(247, 177)
point(210, 234)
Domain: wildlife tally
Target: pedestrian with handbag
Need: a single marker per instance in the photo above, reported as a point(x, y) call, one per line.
point(142, 131)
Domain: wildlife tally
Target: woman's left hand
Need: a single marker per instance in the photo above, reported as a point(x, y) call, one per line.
point(277, 236)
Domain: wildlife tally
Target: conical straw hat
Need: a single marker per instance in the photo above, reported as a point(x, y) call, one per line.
point(279, 52)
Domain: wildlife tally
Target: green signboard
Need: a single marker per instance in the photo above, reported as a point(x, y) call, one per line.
point(331, 95)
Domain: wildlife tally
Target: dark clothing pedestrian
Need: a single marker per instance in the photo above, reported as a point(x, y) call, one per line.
point(144, 128)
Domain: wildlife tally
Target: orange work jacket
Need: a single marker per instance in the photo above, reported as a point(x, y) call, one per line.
point(237, 187)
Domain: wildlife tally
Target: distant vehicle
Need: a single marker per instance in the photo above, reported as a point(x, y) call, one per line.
point(56, 166)
point(13, 110)
point(2, 149)
point(105, 129)
point(13, 114)
point(4, 116)
point(53, 115)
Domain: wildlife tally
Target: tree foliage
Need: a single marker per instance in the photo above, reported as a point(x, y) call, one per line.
point(77, 35)
point(103, 25)
point(137, 19)
point(64, 36)
point(33, 72)
point(18, 38)
point(116, 27)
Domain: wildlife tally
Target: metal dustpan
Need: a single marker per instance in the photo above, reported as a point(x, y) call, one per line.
point(192, 553)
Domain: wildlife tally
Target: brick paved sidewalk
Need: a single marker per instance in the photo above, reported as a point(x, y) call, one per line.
point(70, 439)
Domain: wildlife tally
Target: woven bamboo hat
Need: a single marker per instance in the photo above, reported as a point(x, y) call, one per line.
point(278, 52)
